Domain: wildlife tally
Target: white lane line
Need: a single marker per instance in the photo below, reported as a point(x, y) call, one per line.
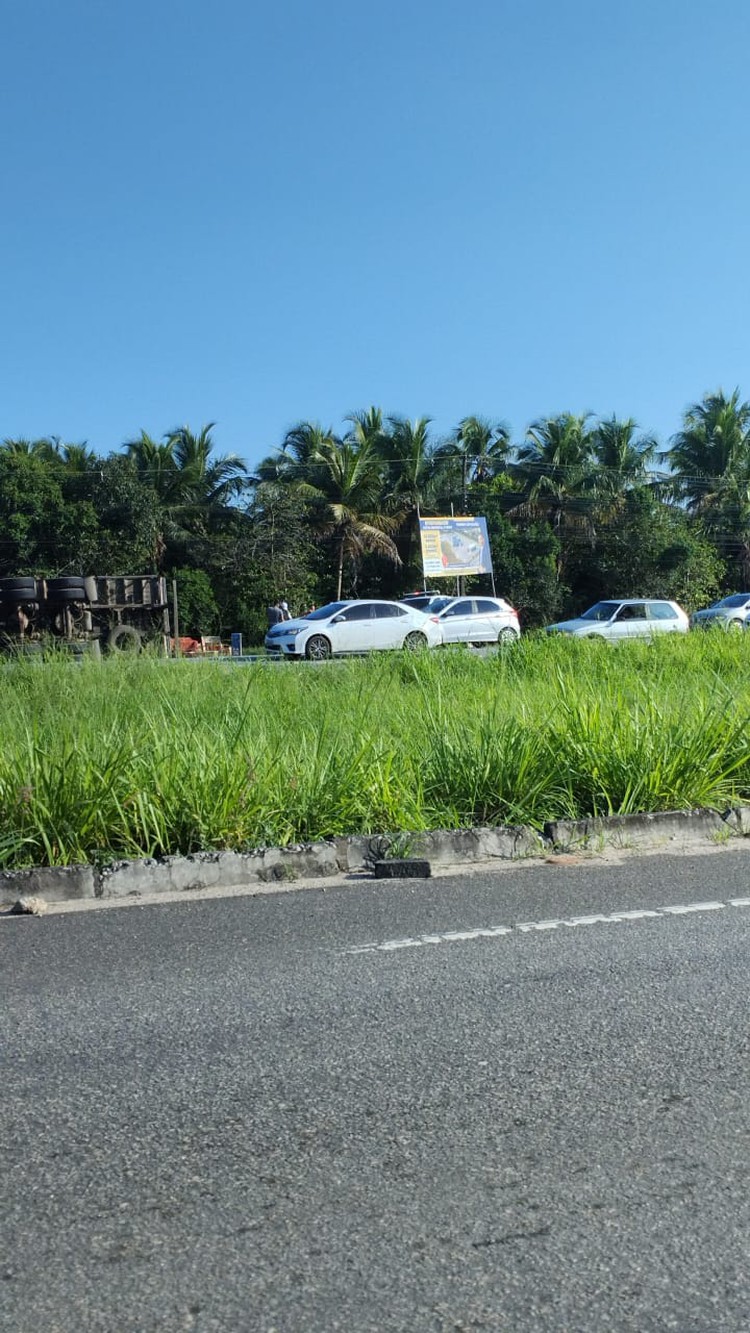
point(693, 907)
point(553, 923)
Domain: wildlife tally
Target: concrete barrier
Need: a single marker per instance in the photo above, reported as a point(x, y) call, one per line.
point(646, 830)
point(273, 869)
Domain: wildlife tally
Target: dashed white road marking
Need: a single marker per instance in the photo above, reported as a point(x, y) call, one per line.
point(554, 923)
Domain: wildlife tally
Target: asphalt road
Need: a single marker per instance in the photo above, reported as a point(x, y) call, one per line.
point(445, 1105)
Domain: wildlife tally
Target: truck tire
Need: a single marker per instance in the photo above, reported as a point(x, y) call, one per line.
point(19, 590)
point(66, 590)
point(124, 639)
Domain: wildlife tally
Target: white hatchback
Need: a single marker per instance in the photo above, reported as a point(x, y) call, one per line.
point(475, 619)
point(625, 618)
point(352, 627)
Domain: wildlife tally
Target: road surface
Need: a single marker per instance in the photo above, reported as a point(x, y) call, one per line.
point(512, 1101)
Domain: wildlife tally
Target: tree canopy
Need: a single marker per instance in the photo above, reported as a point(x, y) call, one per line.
point(578, 508)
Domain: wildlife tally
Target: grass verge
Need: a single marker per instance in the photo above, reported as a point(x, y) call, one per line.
point(147, 758)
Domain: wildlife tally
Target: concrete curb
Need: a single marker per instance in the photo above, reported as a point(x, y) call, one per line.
point(278, 868)
point(652, 830)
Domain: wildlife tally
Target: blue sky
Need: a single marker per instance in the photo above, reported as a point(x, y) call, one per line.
point(252, 214)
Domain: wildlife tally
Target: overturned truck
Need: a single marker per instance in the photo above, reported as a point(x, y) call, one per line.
point(106, 612)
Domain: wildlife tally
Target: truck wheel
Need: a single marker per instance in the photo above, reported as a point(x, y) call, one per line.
point(66, 590)
point(125, 639)
point(19, 590)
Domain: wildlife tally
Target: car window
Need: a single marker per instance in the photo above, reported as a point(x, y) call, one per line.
point(362, 611)
point(602, 611)
point(488, 608)
point(736, 599)
point(437, 604)
point(662, 611)
point(636, 611)
point(385, 611)
point(325, 612)
point(458, 609)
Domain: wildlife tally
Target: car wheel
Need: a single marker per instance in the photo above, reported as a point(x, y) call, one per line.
point(317, 648)
point(415, 641)
point(507, 635)
point(734, 627)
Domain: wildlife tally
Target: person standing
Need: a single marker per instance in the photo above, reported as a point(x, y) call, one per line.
point(275, 615)
point(285, 612)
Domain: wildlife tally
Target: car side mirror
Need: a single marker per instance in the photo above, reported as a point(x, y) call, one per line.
point(336, 620)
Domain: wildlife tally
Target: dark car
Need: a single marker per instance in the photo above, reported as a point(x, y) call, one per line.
point(419, 601)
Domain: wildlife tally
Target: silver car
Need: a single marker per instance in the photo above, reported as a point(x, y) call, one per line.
point(731, 613)
point(475, 620)
point(626, 618)
point(352, 627)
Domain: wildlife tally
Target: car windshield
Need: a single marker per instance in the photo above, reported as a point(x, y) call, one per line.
point(439, 603)
point(324, 612)
point(736, 599)
point(602, 611)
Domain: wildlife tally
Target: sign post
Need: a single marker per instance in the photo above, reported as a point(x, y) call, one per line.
point(454, 547)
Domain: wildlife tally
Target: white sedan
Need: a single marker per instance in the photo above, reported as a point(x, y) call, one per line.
point(352, 627)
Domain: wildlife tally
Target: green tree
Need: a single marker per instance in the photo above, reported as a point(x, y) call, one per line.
point(128, 537)
point(408, 483)
point(480, 448)
point(556, 472)
point(622, 457)
point(649, 549)
point(342, 482)
point(197, 607)
point(41, 532)
point(195, 488)
point(710, 460)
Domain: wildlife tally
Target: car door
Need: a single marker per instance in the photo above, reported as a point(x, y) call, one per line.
point(630, 622)
point(490, 619)
point(351, 630)
point(389, 625)
point(663, 618)
point(456, 621)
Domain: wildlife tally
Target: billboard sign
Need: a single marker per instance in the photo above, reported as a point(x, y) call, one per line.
point(452, 547)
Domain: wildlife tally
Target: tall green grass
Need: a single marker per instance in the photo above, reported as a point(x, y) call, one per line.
point(146, 758)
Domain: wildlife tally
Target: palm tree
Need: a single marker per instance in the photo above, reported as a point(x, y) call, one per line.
point(293, 461)
point(194, 489)
point(366, 428)
point(710, 460)
point(344, 478)
point(482, 448)
point(556, 471)
point(44, 449)
point(409, 474)
point(208, 484)
point(714, 442)
point(155, 464)
point(623, 457)
point(77, 458)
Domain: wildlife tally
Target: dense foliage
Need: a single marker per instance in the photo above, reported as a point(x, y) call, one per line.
point(581, 507)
